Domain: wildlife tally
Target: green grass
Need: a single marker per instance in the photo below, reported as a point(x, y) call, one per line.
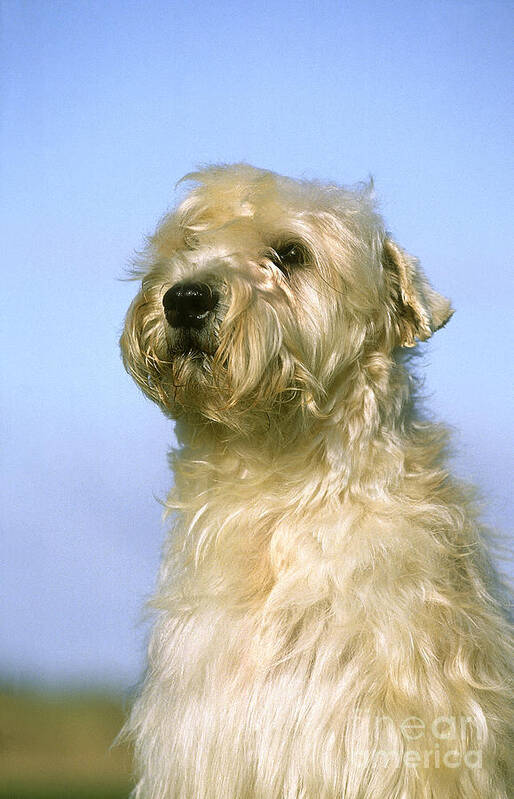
point(33, 791)
point(60, 746)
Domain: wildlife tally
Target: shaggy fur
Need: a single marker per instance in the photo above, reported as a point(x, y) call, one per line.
point(327, 619)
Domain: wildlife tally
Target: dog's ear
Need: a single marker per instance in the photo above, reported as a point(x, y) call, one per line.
point(419, 310)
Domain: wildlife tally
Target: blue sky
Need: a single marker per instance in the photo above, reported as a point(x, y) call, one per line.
point(104, 107)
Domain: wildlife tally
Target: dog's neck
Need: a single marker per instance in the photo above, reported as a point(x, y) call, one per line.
point(241, 496)
point(358, 449)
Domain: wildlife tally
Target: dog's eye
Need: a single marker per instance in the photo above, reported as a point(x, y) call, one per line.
point(289, 256)
point(191, 240)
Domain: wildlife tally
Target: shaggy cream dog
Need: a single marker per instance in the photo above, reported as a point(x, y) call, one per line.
point(328, 620)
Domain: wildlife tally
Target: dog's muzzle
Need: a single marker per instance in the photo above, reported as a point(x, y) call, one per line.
point(188, 304)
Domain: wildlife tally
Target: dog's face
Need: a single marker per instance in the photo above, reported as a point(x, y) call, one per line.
point(260, 293)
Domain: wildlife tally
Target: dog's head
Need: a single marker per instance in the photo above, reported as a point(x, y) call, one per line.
point(260, 295)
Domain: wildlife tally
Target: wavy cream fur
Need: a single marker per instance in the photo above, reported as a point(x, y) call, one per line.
point(328, 621)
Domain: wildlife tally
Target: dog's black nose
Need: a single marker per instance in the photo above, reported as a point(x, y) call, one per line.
point(187, 304)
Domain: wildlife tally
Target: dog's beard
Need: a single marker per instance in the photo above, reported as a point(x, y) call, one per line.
point(203, 386)
point(188, 342)
point(188, 377)
point(223, 381)
point(239, 370)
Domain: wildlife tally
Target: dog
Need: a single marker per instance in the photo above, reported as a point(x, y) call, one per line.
point(328, 621)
